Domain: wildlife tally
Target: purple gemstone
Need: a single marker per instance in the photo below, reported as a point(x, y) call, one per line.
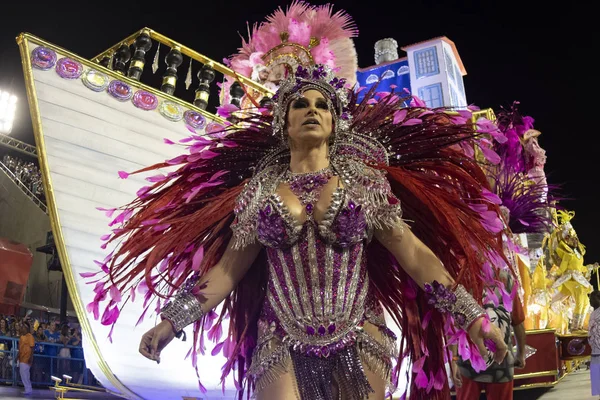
point(331, 329)
point(145, 100)
point(322, 330)
point(268, 209)
point(194, 119)
point(43, 58)
point(120, 90)
point(309, 208)
point(69, 69)
point(351, 205)
point(310, 330)
point(325, 351)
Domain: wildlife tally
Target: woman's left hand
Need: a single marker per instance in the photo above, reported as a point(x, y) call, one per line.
point(478, 336)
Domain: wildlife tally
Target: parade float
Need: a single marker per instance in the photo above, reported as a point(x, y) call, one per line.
point(95, 117)
point(545, 252)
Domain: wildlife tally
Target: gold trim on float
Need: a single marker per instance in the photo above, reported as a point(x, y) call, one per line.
point(541, 384)
point(536, 375)
point(538, 331)
point(23, 37)
point(583, 334)
point(22, 40)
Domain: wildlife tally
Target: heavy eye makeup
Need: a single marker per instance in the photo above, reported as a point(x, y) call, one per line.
point(303, 103)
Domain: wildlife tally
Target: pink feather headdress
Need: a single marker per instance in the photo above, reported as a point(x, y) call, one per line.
point(301, 35)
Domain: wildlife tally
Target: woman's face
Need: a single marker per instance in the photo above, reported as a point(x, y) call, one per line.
point(309, 118)
point(2, 324)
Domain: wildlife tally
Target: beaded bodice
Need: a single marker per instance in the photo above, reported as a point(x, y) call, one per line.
point(318, 281)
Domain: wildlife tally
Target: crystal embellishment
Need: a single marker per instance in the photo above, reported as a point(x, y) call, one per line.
point(171, 111)
point(94, 80)
point(194, 119)
point(308, 186)
point(145, 100)
point(68, 68)
point(43, 58)
point(120, 90)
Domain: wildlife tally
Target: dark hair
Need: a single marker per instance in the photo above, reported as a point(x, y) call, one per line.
point(25, 323)
point(595, 299)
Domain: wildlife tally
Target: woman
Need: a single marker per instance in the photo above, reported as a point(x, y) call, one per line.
point(39, 368)
point(76, 354)
point(594, 339)
point(5, 347)
point(15, 329)
point(318, 234)
point(65, 351)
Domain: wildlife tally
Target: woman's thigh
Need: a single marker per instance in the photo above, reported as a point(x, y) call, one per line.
point(282, 388)
point(377, 384)
point(285, 386)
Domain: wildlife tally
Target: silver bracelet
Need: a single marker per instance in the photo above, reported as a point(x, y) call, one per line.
point(459, 303)
point(466, 309)
point(183, 310)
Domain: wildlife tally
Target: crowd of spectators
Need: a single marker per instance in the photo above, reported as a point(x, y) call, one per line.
point(26, 172)
point(57, 349)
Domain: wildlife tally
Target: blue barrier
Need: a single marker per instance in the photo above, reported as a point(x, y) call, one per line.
point(44, 365)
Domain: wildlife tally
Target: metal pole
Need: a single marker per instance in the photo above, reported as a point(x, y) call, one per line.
point(64, 293)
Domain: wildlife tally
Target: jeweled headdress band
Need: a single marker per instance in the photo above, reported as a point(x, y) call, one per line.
point(344, 141)
point(322, 79)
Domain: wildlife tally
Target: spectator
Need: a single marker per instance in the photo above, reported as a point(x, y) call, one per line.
point(594, 340)
point(27, 173)
point(25, 356)
point(39, 335)
point(16, 329)
point(65, 352)
point(52, 336)
point(5, 347)
point(41, 364)
point(77, 354)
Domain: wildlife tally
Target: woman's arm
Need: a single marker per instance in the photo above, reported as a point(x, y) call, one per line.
point(413, 255)
point(423, 266)
point(215, 286)
point(223, 278)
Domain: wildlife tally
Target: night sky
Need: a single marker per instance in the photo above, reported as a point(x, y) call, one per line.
point(540, 55)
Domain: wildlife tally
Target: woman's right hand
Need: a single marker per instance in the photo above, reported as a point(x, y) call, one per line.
point(156, 339)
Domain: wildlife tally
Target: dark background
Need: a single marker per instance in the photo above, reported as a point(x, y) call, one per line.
point(537, 53)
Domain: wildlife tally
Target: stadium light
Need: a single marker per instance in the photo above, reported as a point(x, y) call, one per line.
point(8, 106)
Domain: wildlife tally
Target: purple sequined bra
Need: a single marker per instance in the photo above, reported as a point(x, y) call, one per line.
point(318, 295)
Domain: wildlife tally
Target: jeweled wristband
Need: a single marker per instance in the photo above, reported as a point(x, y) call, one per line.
point(466, 309)
point(183, 310)
point(458, 302)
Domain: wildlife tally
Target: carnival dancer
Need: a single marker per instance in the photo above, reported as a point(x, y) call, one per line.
point(319, 235)
point(307, 220)
point(573, 276)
